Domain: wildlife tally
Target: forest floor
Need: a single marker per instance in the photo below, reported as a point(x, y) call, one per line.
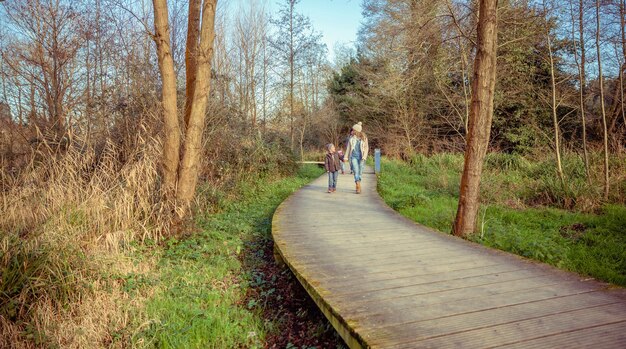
point(523, 210)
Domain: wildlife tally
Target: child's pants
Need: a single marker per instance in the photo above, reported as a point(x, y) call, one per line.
point(332, 179)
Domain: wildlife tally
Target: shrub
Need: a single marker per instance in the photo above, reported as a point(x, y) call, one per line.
point(505, 162)
point(232, 156)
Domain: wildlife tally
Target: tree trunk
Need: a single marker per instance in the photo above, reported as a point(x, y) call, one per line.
point(604, 127)
point(88, 94)
point(617, 111)
point(582, 79)
point(555, 119)
point(622, 15)
point(32, 115)
point(191, 50)
point(291, 72)
point(622, 12)
point(621, 84)
point(481, 113)
point(20, 114)
point(466, 93)
point(171, 143)
point(583, 84)
point(264, 89)
point(188, 176)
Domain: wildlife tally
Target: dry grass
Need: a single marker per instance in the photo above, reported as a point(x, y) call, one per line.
point(11, 335)
point(103, 317)
point(94, 192)
point(67, 224)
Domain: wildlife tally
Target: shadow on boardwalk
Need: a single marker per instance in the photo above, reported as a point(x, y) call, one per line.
point(386, 282)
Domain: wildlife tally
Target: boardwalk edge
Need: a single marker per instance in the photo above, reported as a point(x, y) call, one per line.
point(349, 335)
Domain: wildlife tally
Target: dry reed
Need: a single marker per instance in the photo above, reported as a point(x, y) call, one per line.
point(66, 225)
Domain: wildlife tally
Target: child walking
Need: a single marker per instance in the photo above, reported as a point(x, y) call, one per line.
point(340, 154)
point(332, 166)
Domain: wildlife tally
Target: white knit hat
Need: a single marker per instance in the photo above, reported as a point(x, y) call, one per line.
point(358, 127)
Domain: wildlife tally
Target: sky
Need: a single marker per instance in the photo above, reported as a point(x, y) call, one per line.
point(337, 20)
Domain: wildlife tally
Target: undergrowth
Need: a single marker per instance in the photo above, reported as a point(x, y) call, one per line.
point(523, 209)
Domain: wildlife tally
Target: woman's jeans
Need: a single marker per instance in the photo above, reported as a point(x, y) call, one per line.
point(332, 179)
point(357, 167)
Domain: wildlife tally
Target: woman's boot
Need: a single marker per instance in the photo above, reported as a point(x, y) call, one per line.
point(358, 187)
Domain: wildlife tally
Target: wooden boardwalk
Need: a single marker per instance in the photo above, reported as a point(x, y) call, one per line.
point(386, 282)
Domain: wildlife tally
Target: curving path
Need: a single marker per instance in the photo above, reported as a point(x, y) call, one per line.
point(386, 282)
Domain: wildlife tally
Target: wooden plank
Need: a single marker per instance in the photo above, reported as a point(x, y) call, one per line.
point(603, 336)
point(351, 289)
point(472, 298)
point(492, 281)
point(428, 256)
point(401, 335)
point(367, 255)
point(372, 257)
point(370, 240)
point(311, 162)
point(525, 330)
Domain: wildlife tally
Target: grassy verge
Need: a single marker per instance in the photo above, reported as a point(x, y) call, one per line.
point(219, 287)
point(511, 218)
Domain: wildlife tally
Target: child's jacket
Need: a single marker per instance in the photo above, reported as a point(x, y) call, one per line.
point(331, 162)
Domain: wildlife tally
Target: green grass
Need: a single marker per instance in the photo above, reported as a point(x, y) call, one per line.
point(201, 300)
point(426, 190)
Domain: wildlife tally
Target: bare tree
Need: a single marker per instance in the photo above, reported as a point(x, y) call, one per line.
point(580, 64)
point(250, 32)
point(182, 177)
point(327, 122)
point(481, 112)
point(295, 36)
point(46, 54)
point(554, 106)
point(622, 70)
point(604, 126)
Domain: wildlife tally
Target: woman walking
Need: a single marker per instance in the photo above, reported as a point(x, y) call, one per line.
point(356, 153)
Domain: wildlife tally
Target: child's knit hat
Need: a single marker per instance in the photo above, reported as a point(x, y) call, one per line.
point(358, 126)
